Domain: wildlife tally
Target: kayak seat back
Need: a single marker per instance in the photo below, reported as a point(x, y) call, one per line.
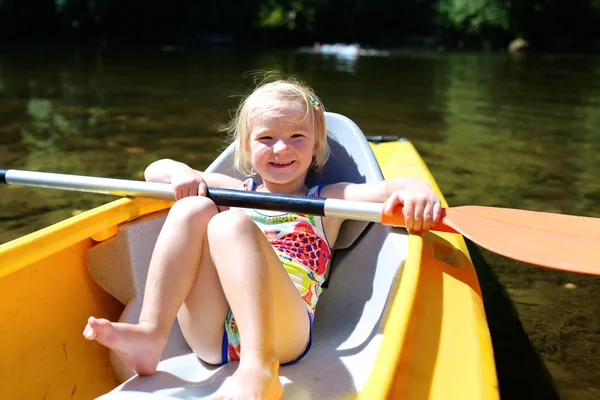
point(120, 264)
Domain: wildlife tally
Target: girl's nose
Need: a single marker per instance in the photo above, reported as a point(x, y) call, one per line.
point(280, 146)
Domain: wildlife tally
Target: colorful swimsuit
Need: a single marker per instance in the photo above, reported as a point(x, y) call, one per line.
point(300, 243)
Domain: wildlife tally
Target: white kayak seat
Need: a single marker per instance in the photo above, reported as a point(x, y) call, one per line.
point(344, 344)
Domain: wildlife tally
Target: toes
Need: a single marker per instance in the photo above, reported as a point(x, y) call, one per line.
point(89, 333)
point(94, 327)
point(98, 322)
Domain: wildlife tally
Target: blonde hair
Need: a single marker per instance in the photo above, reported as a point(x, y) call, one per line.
point(272, 96)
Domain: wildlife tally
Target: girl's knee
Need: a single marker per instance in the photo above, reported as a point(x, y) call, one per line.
point(212, 356)
point(193, 209)
point(229, 223)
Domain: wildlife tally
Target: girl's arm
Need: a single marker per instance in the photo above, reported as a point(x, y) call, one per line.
point(185, 180)
point(422, 206)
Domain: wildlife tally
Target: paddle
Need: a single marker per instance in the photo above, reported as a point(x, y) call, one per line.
point(564, 242)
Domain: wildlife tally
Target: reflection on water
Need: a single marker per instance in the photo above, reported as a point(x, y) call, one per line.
point(520, 127)
point(495, 130)
point(340, 56)
point(48, 128)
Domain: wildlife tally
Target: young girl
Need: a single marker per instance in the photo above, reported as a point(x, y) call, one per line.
point(240, 288)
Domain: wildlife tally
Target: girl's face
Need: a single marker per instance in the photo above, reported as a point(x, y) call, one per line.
point(282, 146)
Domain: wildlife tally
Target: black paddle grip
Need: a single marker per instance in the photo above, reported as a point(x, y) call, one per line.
point(3, 176)
point(268, 201)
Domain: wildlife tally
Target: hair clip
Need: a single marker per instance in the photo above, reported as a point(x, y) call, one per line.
point(315, 104)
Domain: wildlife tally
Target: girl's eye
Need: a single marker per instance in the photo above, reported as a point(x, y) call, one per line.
point(297, 135)
point(265, 138)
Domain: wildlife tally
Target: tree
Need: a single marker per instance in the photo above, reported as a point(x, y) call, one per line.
point(485, 19)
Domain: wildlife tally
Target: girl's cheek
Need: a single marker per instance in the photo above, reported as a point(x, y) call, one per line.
point(257, 148)
point(262, 149)
point(259, 152)
point(306, 147)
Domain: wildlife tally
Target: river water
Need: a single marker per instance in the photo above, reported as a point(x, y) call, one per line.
point(495, 130)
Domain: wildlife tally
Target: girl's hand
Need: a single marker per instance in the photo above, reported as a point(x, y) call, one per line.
point(422, 207)
point(188, 183)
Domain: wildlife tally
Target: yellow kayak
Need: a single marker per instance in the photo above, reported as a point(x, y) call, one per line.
point(401, 316)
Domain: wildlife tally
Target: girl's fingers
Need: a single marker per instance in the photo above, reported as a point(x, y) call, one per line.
point(186, 185)
point(202, 189)
point(428, 216)
point(437, 212)
point(189, 189)
point(421, 210)
point(409, 212)
point(182, 190)
point(418, 216)
point(391, 202)
point(193, 190)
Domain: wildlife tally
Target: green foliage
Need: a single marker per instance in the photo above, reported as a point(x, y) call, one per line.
point(274, 16)
point(61, 5)
point(473, 16)
point(375, 22)
point(285, 14)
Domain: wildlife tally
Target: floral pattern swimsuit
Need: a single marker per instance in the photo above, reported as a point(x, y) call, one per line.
point(300, 243)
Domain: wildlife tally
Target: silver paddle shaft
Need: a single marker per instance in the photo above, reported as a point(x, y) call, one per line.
point(355, 210)
point(116, 187)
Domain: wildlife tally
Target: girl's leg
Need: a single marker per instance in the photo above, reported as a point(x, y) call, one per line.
point(270, 314)
point(176, 265)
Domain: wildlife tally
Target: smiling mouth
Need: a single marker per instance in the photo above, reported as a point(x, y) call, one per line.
point(282, 164)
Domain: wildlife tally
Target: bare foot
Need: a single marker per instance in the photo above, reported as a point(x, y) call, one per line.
point(254, 379)
point(138, 345)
